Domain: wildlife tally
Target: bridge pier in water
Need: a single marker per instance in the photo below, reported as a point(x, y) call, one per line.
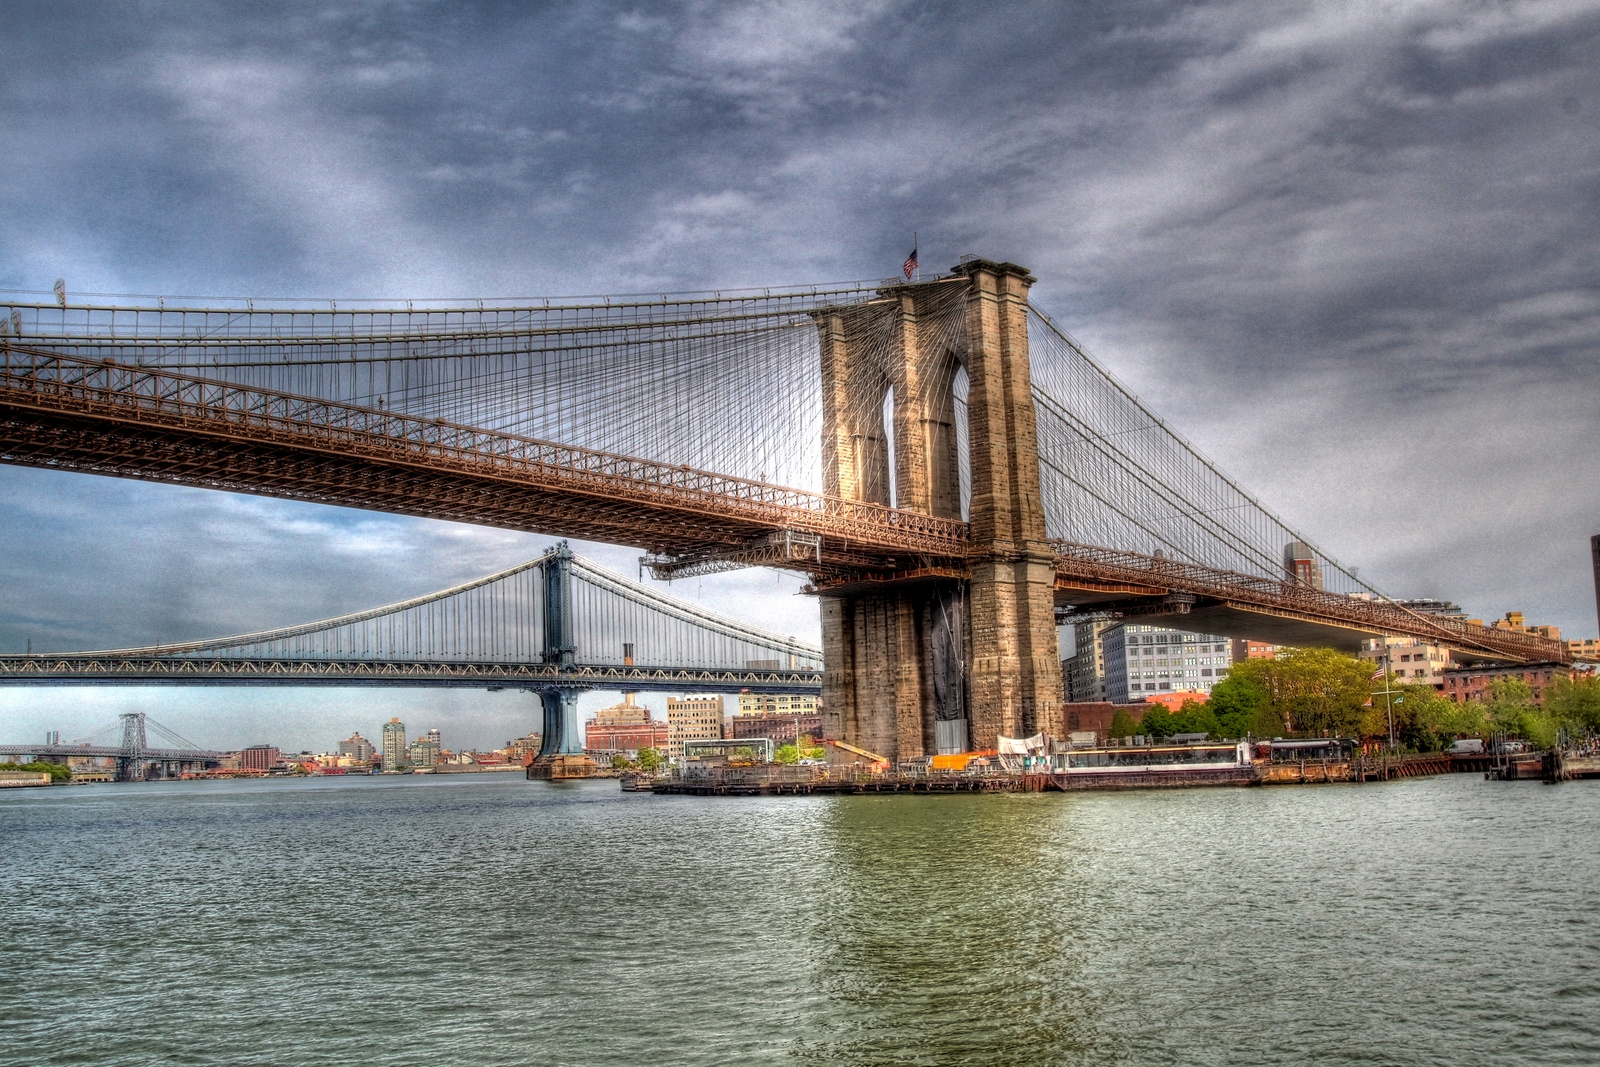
point(927, 659)
point(561, 753)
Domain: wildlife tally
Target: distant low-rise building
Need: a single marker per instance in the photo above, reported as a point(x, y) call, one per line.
point(1244, 648)
point(1409, 660)
point(777, 703)
point(623, 729)
point(1462, 684)
point(1095, 716)
point(1585, 648)
point(519, 750)
point(1514, 623)
point(782, 727)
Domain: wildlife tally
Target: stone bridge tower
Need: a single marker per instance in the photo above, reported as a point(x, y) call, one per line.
point(938, 660)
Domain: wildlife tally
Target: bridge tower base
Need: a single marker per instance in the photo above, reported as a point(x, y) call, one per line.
point(561, 754)
point(916, 664)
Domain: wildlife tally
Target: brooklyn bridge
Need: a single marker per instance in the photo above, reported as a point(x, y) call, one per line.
point(952, 472)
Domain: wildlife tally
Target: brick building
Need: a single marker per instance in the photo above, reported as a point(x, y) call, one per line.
point(1472, 683)
point(782, 727)
point(259, 758)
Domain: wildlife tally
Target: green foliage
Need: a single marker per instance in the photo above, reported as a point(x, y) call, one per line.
point(59, 772)
point(1157, 722)
point(1192, 718)
point(1123, 724)
point(1424, 721)
point(1308, 690)
point(809, 749)
point(619, 762)
point(1510, 710)
point(1574, 704)
point(1242, 707)
point(787, 755)
point(649, 760)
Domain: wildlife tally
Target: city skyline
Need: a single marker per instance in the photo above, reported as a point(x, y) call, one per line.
point(1398, 357)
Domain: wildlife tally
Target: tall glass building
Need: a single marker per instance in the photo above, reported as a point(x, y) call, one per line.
point(1140, 660)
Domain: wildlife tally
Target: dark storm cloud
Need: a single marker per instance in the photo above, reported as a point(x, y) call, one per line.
point(1348, 249)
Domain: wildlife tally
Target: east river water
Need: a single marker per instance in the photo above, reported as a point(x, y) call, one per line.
point(461, 920)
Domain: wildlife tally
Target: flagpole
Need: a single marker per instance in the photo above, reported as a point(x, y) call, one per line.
point(917, 248)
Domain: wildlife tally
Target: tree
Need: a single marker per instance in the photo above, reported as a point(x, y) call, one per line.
point(1238, 701)
point(1510, 710)
point(1195, 717)
point(1423, 720)
point(1308, 690)
point(1574, 703)
point(649, 760)
point(1157, 722)
point(1122, 724)
point(809, 749)
point(788, 755)
point(58, 772)
point(619, 762)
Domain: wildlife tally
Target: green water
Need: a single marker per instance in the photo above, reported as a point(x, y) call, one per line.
point(490, 920)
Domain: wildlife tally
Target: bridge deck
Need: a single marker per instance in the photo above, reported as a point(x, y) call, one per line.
point(106, 669)
point(159, 425)
point(98, 416)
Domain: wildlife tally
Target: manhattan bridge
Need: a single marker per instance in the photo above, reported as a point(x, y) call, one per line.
point(954, 475)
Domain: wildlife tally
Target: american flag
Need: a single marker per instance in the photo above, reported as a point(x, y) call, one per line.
point(910, 265)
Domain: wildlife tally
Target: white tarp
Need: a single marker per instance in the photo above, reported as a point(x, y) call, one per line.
point(1022, 746)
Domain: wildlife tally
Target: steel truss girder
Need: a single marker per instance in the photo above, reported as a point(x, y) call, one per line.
point(70, 669)
point(140, 422)
point(1101, 568)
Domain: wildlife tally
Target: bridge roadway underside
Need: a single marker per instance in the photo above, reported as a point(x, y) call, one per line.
point(345, 463)
point(243, 466)
point(69, 669)
point(1207, 616)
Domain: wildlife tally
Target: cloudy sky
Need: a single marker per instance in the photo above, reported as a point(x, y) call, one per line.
point(1348, 249)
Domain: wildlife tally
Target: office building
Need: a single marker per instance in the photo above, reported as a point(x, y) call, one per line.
point(357, 748)
point(1084, 672)
point(258, 758)
point(1141, 660)
point(777, 704)
point(692, 718)
point(626, 713)
point(394, 745)
point(1586, 648)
